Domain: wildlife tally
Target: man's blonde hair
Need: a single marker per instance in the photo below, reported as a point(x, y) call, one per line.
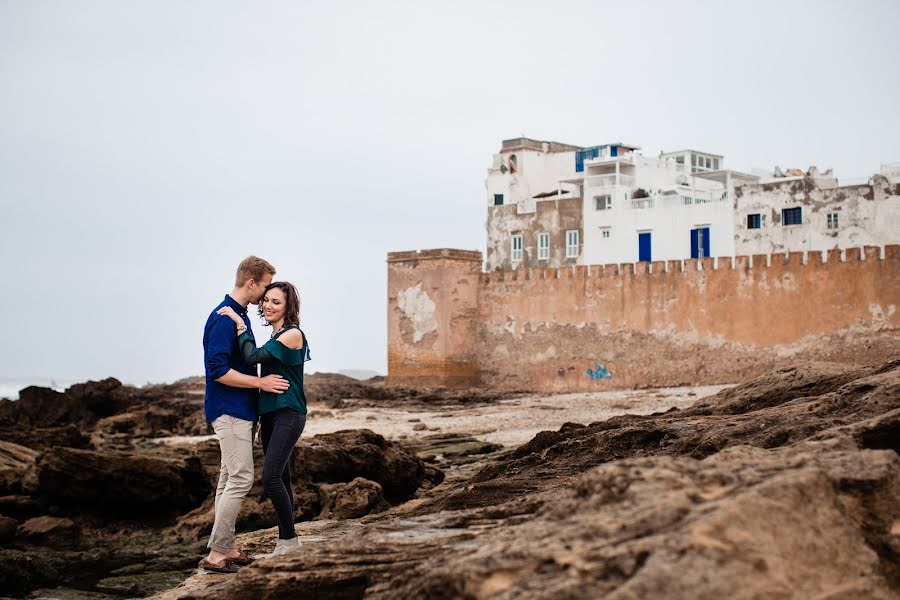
point(253, 267)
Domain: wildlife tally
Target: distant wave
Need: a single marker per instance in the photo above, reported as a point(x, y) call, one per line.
point(9, 388)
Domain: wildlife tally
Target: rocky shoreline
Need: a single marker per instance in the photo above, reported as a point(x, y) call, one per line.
point(785, 486)
point(106, 490)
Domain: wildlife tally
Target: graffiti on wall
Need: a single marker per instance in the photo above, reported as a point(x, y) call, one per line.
point(599, 372)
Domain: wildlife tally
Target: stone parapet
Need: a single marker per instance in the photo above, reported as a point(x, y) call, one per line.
point(714, 320)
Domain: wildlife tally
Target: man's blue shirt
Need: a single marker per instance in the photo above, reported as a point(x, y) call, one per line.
point(221, 353)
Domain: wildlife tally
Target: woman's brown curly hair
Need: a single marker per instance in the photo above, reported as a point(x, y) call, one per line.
point(291, 301)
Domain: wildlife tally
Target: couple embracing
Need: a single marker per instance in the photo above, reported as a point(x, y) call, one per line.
point(237, 397)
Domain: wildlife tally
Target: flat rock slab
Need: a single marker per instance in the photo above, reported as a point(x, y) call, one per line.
point(785, 488)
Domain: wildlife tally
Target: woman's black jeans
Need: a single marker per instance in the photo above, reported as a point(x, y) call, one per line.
point(280, 430)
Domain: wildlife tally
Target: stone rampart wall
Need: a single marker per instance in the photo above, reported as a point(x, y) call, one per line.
point(657, 324)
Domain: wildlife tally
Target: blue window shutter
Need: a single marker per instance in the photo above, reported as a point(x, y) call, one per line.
point(695, 250)
point(614, 151)
point(644, 254)
point(579, 161)
point(705, 241)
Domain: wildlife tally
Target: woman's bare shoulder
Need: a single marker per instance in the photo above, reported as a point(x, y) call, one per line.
point(292, 338)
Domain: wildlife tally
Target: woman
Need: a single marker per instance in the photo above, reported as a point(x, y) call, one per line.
point(282, 416)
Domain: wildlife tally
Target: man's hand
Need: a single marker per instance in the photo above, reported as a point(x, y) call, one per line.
point(275, 384)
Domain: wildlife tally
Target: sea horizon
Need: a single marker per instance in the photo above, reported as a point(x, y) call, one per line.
point(11, 386)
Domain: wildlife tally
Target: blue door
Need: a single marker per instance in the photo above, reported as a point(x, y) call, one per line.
point(700, 242)
point(644, 247)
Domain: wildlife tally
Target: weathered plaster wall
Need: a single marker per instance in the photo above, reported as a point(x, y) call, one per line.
point(528, 172)
point(542, 330)
point(868, 215)
point(674, 323)
point(552, 216)
point(432, 317)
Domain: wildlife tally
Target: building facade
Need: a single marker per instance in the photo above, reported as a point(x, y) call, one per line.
point(553, 204)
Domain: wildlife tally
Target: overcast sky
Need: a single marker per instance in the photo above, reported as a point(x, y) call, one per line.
point(146, 147)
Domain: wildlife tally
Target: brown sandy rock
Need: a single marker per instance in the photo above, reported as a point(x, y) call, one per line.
point(156, 420)
point(343, 456)
point(106, 397)
point(746, 523)
point(555, 458)
point(339, 391)
point(24, 571)
point(148, 483)
point(49, 531)
point(16, 468)
point(43, 407)
point(335, 458)
point(791, 493)
point(352, 500)
point(20, 506)
point(39, 438)
point(8, 528)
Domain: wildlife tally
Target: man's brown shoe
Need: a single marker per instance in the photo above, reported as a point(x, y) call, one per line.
point(242, 560)
point(226, 566)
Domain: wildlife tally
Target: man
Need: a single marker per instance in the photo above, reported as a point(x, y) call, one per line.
point(232, 389)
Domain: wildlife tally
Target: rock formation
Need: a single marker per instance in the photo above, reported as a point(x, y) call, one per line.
point(783, 487)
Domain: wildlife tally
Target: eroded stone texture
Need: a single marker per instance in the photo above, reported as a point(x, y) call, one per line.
point(342, 460)
point(432, 304)
point(784, 487)
point(599, 327)
point(152, 484)
point(352, 500)
point(49, 531)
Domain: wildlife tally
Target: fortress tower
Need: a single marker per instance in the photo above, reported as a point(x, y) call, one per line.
point(432, 317)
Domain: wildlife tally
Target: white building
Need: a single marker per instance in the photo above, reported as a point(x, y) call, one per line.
point(644, 209)
point(552, 204)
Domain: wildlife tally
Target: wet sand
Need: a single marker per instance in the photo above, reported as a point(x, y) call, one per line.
point(510, 422)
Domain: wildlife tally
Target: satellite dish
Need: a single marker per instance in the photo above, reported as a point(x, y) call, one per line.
point(682, 179)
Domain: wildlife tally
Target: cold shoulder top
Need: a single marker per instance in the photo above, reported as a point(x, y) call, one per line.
point(276, 358)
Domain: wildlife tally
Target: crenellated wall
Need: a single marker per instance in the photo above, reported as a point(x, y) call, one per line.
point(432, 320)
point(657, 324)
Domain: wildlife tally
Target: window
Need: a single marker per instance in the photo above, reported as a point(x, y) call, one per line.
point(498, 199)
point(516, 246)
point(604, 232)
point(543, 246)
point(572, 243)
point(583, 155)
point(832, 220)
point(753, 221)
point(791, 216)
point(704, 163)
point(679, 160)
point(603, 202)
point(700, 242)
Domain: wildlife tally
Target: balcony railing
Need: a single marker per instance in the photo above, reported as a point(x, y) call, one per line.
point(628, 157)
point(612, 180)
point(641, 203)
point(685, 198)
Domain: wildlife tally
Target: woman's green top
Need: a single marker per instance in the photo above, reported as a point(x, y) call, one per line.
point(276, 358)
